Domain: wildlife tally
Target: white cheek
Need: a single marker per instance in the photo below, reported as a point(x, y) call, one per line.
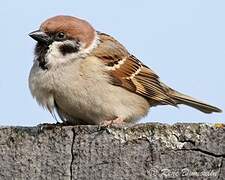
point(54, 56)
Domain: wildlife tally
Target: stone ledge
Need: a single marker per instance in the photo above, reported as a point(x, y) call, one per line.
point(150, 151)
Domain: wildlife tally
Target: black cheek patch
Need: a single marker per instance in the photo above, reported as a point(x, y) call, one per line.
point(67, 49)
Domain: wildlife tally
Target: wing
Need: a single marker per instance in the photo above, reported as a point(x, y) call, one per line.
point(130, 73)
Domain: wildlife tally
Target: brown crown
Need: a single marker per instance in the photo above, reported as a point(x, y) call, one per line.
point(73, 27)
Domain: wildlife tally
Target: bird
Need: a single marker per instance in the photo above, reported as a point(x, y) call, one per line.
point(89, 78)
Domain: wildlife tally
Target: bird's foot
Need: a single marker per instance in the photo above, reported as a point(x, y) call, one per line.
point(117, 121)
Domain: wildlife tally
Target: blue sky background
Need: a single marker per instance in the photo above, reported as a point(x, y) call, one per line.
point(183, 41)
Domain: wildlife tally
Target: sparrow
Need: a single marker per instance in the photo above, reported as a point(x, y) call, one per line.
point(88, 77)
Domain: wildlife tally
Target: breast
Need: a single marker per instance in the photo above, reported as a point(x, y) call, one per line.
point(40, 85)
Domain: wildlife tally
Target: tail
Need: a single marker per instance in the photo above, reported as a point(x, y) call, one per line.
point(180, 98)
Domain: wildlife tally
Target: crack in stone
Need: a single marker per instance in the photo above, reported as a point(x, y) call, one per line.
point(221, 166)
point(203, 152)
point(72, 155)
point(197, 149)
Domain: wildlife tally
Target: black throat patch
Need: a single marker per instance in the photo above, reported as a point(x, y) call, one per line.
point(40, 52)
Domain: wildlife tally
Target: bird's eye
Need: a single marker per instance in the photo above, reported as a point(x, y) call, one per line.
point(60, 36)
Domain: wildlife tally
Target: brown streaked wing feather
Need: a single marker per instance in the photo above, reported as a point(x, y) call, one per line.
point(127, 71)
point(109, 50)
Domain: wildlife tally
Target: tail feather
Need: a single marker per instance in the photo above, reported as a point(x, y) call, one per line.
point(189, 101)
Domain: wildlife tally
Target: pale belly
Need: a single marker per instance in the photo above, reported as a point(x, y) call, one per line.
point(87, 96)
point(95, 103)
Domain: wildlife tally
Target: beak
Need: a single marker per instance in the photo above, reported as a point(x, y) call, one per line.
point(40, 36)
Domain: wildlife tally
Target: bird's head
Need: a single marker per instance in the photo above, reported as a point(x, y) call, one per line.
point(63, 38)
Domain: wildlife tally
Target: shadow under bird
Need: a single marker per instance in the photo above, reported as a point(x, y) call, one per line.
point(88, 77)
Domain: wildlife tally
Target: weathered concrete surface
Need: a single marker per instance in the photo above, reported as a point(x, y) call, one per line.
point(145, 151)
